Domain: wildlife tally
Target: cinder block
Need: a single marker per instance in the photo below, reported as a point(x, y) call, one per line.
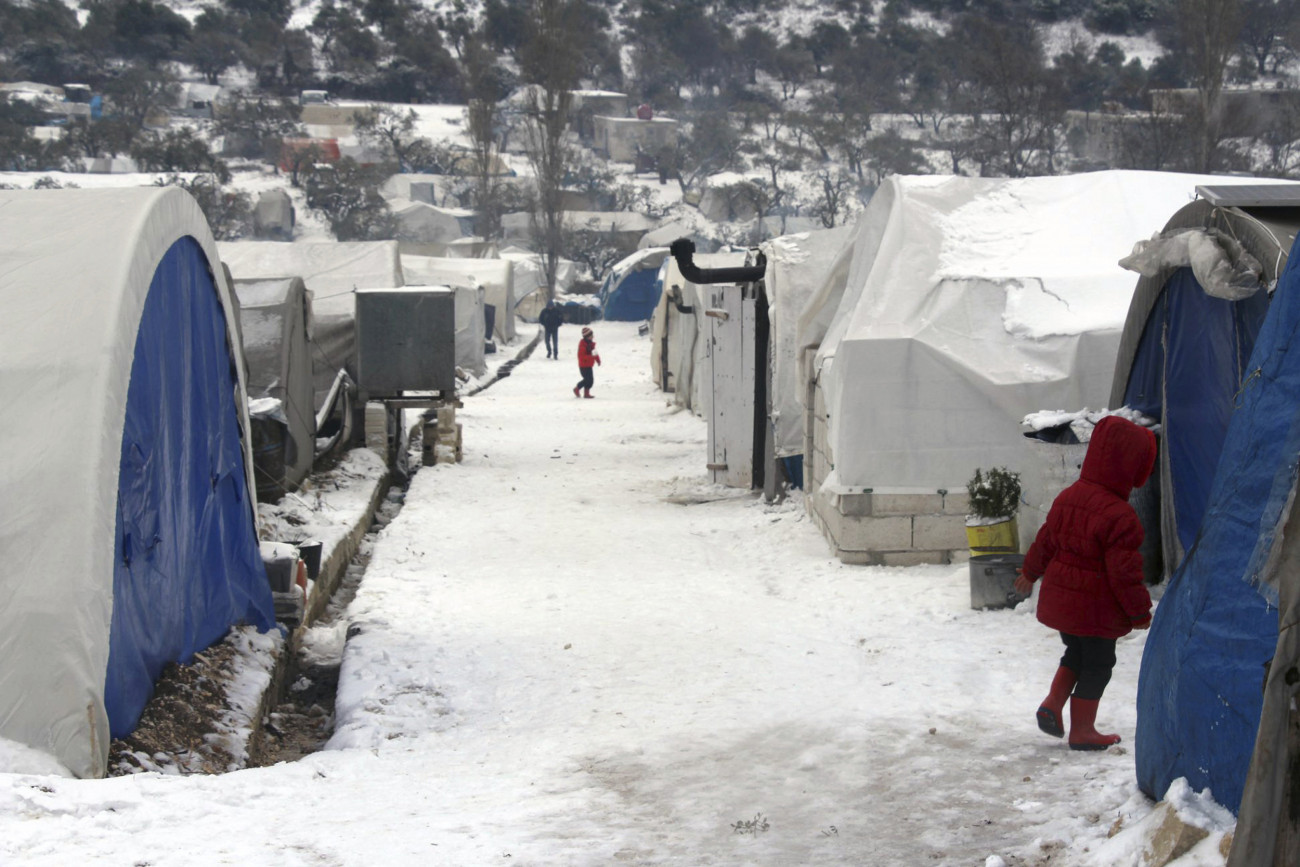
point(956, 503)
point(907, 504)
point(936, 532)
point(858, 558)
point(854, 505)
point(446, 417)
point(872, 534)
point(913, 558)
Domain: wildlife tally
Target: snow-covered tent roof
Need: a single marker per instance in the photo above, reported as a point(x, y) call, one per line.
point(429, 224)
point(631, 289)
point(797, 267)
point(275, 316)
point(332, 273)
point(273, 216)
point(135, 545)
point(331, 270)
point(519, 226)
point(967, 304)
point(494, 276)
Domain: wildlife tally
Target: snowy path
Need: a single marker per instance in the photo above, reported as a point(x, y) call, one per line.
point(557, 665)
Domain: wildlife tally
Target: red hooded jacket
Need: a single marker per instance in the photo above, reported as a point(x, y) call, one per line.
point(1087, 552)
point(587, 356)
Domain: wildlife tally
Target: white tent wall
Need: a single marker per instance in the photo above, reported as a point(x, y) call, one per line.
point(470, 328)
point(797, 267)
point(95, 252)
point(494, 276)
point(968, 304)
point(275, 316)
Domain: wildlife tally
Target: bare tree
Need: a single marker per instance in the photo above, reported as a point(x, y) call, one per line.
point(482, 84)
point(551, 64)
point(392, 132)
point(1208, 31)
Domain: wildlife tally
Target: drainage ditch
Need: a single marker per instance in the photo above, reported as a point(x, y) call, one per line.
point(303, 721)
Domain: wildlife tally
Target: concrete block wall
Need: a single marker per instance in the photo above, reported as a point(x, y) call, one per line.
point(878, 528)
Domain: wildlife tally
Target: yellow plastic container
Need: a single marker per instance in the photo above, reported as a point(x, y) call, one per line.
point(1000, 538)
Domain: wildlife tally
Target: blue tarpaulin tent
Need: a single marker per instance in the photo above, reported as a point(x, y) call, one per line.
point(631, 291)
point(133, 541)
point(1214, 371)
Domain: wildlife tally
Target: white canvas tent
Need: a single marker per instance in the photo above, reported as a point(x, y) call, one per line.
point(273, 216)
point(275, 316)
point(963, 305)
point(423, 223)
point(135, 545)
point(797, 267)
point(494, 276)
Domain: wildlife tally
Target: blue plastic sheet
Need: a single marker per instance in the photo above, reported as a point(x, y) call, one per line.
point(634, 298)
point(1200, 687)
point(187, 562)
point(1186, 373)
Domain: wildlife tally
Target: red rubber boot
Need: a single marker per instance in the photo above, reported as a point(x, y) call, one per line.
point(576, 390)
point(1083, 735)
point(586, 392)
point(1052, 711)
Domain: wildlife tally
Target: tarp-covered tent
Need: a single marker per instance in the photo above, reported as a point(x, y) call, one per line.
point(967, 304)
point(631, 290)
point(428, 224)
point(1205, 353)
point(797, 267)
point(494, 276)
point(332, 273)
point(136, 546)
point(273, 216)
point(274, 317)
point(471, 326)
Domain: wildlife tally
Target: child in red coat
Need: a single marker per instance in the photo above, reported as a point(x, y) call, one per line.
point(1087, 555)
point(586, 358)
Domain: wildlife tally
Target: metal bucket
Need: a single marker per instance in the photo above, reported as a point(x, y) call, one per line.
point(992, 580)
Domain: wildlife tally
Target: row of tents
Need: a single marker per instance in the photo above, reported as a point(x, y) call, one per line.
point(878, 366)
point(161, 383)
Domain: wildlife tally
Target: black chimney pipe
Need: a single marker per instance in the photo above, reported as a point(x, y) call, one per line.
point(683, 250)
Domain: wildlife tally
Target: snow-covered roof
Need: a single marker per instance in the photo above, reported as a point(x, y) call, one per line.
point(970, 302)
point(332, 271)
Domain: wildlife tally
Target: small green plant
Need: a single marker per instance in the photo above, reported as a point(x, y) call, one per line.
point(753, 826)
point(994, 493)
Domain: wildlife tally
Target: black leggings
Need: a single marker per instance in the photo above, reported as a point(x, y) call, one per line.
point(588, 378)
point(1092, 659)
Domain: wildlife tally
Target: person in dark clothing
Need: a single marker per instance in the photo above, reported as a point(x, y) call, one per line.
point(551, 320)
point(1087, 554)
point(586, 358)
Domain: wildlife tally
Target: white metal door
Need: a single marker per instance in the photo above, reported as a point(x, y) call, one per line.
point(730, 313)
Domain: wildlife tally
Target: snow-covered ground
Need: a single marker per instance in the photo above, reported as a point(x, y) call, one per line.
point(571, 650)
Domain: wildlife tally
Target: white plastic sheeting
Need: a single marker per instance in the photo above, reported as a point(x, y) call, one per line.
point(494, 276)
point(968, 303)
point(797, 266)
point(77, 266)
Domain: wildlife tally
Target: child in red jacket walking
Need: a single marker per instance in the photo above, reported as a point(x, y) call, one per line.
point(1087, 556)
point(586, 358)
